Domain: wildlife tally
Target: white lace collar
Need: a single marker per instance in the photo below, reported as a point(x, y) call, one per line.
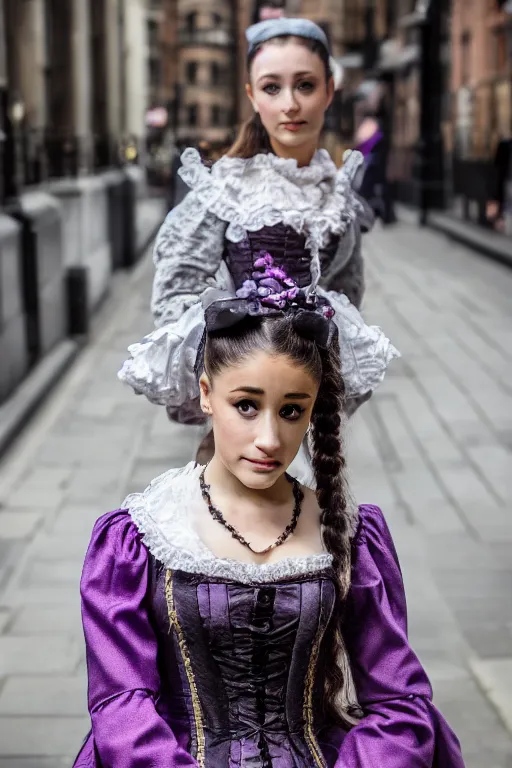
point(315, 200)
point(161, 514)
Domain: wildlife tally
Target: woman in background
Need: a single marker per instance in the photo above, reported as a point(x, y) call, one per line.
point(275, 203)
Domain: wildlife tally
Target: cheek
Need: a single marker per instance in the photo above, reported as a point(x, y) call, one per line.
point(268, 111)
point(316, 106)
point(230, 428)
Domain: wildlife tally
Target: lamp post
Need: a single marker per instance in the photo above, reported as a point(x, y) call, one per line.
point(430, 150)
point(17, 116)
point(370, 41)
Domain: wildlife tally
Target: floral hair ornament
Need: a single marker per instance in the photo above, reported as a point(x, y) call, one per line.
point(271, 293)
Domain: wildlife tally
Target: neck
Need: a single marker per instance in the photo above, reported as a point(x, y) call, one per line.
point(303, 155)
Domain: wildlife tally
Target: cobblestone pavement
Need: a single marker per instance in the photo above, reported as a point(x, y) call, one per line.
point(433, 448)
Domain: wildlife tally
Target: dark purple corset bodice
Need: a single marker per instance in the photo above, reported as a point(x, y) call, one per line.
point(286, 246)
point(240, 666)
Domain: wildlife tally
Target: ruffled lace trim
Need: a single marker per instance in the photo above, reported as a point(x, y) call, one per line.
point(161, 514)
point(317, 201)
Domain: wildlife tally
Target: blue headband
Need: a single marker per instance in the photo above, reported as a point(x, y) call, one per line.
point(283, 27)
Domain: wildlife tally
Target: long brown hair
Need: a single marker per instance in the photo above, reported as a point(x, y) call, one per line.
point(252, 137)
point(278, 335)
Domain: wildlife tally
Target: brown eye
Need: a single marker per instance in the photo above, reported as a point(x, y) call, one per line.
point(307, 86)
point(291, 412)
point(246, 408)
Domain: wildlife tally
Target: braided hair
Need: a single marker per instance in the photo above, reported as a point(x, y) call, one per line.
point(278, 335)
point(338, 524)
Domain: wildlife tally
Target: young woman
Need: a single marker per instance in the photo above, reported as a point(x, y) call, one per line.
point(232, 616)
point(275, 195)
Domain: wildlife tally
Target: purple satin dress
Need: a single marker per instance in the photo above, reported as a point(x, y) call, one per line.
point(192, 671)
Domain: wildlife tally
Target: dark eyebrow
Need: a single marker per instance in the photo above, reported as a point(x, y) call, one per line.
point(257, 391)
point(276, 77)
point(268, 74)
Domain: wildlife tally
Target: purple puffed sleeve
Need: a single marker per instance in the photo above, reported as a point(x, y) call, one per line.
point(127, 730)
point(401, 728)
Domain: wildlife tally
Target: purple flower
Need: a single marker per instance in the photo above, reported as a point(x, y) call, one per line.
point(248, 288)
point(328, 312)
point(269, 282)
point(276, 272)
point(292, 292)
point(289, 282)
point(262, 291)
point(265, 260)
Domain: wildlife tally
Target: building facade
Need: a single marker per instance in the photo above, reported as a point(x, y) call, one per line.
point(207, 80)
point(73, 100)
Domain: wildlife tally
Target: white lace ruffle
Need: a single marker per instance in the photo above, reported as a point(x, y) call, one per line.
point(162, 514)
point(317, 200)
point(162, 365)
point(366, 351)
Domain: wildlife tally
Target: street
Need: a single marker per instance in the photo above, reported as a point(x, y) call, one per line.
point(433, 448)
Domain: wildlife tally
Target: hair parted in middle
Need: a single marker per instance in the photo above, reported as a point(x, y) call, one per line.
point(278, 335)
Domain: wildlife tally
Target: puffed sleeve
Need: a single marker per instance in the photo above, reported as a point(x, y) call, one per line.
point(345, 272)
point(401, 728)
point(187, 256)
point(127, 729)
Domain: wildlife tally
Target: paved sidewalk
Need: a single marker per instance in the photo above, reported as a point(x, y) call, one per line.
point(433, 448)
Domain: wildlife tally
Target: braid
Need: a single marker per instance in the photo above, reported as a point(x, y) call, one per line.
point(329, 466)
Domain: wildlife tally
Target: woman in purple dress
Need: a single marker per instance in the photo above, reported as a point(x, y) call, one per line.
point(235, 617)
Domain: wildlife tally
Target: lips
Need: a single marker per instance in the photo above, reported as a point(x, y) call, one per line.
point(262, 464)
point(293, 126)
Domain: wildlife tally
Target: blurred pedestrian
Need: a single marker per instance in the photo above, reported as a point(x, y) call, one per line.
point(373, 185)
point(497, 207)
point(274, 203)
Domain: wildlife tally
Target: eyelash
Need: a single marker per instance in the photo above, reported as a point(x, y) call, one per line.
point(308, 86)
point(298, 410)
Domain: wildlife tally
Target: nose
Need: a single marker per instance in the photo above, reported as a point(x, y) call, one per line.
point(267, 437)
point(290, 103)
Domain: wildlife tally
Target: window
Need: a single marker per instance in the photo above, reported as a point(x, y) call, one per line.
point(465, 50)
point(215, 73)
point(502, 49)
point(191, 69)
point(154, 72)
point(192, 114)
point(215, 116)
point(191, 22)
point(153, 33)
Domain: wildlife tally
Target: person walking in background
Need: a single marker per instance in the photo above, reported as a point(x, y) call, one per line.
point(373, 183)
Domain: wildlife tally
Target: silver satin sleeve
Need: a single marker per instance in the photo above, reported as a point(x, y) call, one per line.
point(187, 256)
